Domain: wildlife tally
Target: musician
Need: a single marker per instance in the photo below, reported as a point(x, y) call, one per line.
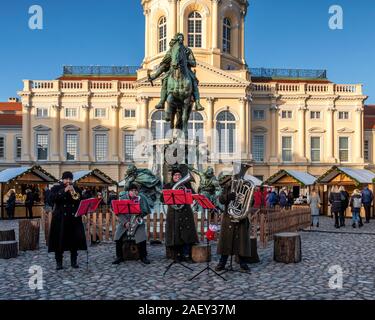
point(180, 227)
point(67, 232)
point(124, 224)
point(234, 236)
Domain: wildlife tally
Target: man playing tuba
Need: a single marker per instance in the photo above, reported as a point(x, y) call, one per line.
point(234, 236)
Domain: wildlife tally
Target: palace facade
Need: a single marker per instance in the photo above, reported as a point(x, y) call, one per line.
point(294, 119)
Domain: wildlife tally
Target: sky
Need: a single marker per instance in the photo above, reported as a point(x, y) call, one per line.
point(279, 34)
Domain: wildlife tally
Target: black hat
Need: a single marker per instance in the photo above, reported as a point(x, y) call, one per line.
point(176, 170)
point(67, 175)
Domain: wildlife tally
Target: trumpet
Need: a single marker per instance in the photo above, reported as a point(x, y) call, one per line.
point(75, 195)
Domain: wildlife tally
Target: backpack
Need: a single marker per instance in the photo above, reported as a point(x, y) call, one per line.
point(357, 202)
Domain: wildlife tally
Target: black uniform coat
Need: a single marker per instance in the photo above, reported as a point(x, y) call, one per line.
point(180, 226)
point(67, 232)
point(234, 237)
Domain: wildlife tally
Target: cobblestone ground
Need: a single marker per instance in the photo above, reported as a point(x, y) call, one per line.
point(351, 249)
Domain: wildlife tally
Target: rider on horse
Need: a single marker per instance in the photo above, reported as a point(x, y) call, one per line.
point(165, 67)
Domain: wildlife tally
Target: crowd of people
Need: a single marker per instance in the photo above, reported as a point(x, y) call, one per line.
point(270, 198)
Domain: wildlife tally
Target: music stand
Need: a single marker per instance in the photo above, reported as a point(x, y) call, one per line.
point(206, 204)
point(86, 207)
point(177, 197)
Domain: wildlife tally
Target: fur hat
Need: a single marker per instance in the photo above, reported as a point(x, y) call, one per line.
point(67, 175)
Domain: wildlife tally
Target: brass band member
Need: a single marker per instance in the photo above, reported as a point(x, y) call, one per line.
point(128, 224)
point(234, 236)
point(67, 232)
point(180, 227)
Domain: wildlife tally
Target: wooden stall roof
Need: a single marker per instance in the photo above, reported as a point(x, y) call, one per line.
point(347, 176)
point(35, 174)
point(93, 178)
point(290, 177)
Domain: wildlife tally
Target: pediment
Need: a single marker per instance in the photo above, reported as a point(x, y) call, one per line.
point(317, 130)
point(128, 128)
point(259, 130)
point(288, 130)
point(41, 128)
point(345, 130)
point(71, 128)
point(100, 128)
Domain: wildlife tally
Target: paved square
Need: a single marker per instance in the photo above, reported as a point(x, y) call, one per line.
point(351, 249)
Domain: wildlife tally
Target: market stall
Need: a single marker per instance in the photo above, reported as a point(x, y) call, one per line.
point(299, 182)
point(22, 180)
point(349, 178)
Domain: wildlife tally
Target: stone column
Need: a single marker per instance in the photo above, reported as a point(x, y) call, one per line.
point(173, 18)
point(358, 136)
point(143, 112)
point(215, 23)
point(274, 134)
point(249, 137)
point(86, 136)
point(242, 37)
point(115, 132)
point(56, 134)
point(210, 124)
point(147, 35)
point(302, 133)
point(330, 142)
point(243, 127)
point(26, 133)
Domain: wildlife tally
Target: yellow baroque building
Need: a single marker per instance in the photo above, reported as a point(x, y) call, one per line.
point(278, 118)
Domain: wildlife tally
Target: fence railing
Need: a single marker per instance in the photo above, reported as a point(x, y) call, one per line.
point(264, 224)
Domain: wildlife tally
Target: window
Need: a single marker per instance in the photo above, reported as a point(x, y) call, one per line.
point(129, 147)
point(344, 149)
point(227, 28)
point(315, 115)
point(162, 34)
point(100, 112)
point(343, 115)
point(366, 150)
point(195, 30)
point(226, 130)
point(287, 149)
point(101, 144)
point(129, 113)
point(159, 127)
point(71, 113)
point(42, 147)
point(259, 115)
point(286, 114)
point(42, 112)
point(315, 149)
point(71, 147)
point(195, 127)
point(258, 148)
point(2, 147)
point(18, 147)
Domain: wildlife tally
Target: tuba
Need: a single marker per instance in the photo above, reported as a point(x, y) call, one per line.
point(239, 208)
point(179, 186)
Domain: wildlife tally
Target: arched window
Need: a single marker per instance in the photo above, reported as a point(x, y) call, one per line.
point(162, 27)
point(227, 28)
point(159, 127)
point(196, 126)
point(226, 132)
point(195, 30)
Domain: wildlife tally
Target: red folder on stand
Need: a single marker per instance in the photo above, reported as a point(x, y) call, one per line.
point(203, 201)
point(177, 197)
point(87, 206)
point(126, 207)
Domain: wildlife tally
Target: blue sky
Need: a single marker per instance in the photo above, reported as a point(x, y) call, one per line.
point(283, 34)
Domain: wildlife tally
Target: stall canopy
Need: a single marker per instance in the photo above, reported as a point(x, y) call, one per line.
point(347, 176)
point(291, 178)
point(93, 178)
point(20, 175)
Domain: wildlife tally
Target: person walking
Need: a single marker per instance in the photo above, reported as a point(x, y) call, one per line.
point(344, 205)
point(258, 198)
point(272, 199)
point(356, 204)
point(367, 198)
point(283, 198)
point(290, 199)
point(11, 203)
point(314, 201)
point(29, 202)
point(335, 202)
